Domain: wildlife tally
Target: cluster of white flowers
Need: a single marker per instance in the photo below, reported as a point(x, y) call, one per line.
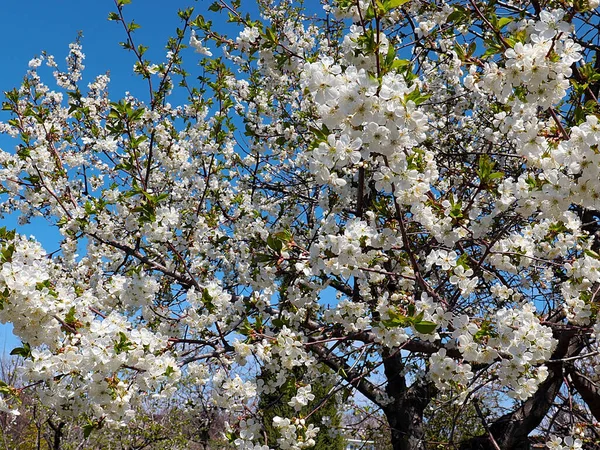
point(430, 19)
point(347, 255)
point(69, 79)
point(566, 443)
point(79, 345)
point(302, 398)
point(371, 121)
point(26, 275)
point(529, 344)
point(247, 38)
point(232, 393)
point(448, 374)
point(578, 292)
point(290, 351)
point(532, 66)
point(351, 315)
point(516, 339)
point(295, 434)
point(460, 276)
point(249, 430)
point(208, 305)
point(354, 51)
point(548, 239)
point(198, 46)
point(354, 11)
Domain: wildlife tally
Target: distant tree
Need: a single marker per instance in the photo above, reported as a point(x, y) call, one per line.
point(366, 424)
point(321, 405)
point(186, 422)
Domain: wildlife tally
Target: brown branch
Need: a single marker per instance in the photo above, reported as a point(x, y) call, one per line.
point(489, 25)
point(180, 278)
point(588, 390)
point(559, 124)
point(352, 376)
point(485, 425)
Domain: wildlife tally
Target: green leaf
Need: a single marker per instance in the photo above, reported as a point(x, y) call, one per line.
point(460, 51)
point(113, 114)
point(456, 210)
point(275, 244)
point(185, 14)
point(416, 96)
point(395, 3)
point(486, 176)
point(207, 300)
point(463, 260)
point(284, 236)
point(279, 323)
point(6, 389)
point(87, 429)
point(6, 253)
point(504, 21)
point(395, 323)
point(24, 351)
point(401, 64)
point(264, 258)
point(425, 327)
point(271, 36)
point(124, 344)
point(133, 26)
point(390, 57)
point(457, 15)
point(70, 317)
point(486, 330)
point(471, 49)
point(397, 320)
point(215, 7)
point(6, 234)
point(491, 51)
point(510, 41)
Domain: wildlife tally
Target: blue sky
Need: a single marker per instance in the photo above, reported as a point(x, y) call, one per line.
point(28, 28)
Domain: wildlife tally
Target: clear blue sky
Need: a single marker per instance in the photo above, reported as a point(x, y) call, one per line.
point(29, 27)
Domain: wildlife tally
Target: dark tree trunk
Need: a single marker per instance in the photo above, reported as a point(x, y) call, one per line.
point(58, 431)
point(405, 413)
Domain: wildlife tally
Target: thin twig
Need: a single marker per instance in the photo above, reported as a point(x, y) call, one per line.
point(485, 425)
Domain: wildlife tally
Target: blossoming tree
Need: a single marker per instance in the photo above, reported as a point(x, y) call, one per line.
point(405, 192)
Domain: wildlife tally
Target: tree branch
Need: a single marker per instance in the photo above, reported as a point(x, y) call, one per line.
point(589, 391)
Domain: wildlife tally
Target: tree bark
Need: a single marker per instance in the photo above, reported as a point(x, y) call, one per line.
point(589, 391)
point(405, 413)
point(57, 434)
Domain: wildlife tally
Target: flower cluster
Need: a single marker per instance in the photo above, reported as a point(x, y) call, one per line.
point(295, 435)
point(377, 122)
point(447, 373)
point(566, 443)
